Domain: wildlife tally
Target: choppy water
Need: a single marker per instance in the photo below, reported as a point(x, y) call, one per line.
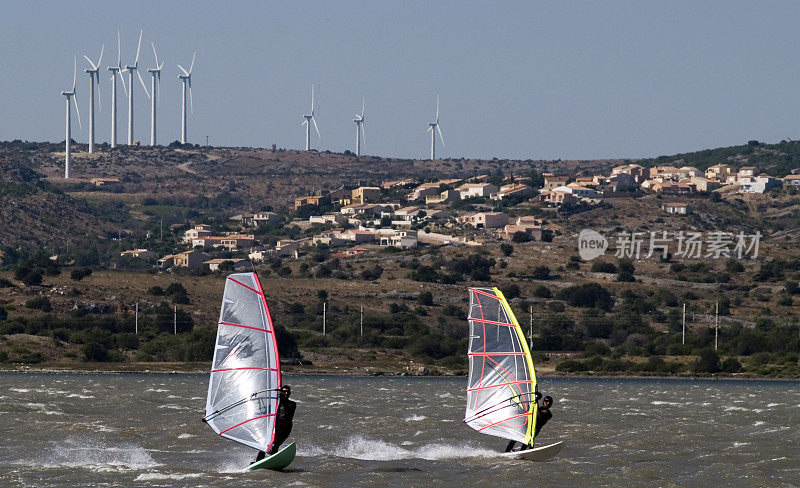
point(145, 431)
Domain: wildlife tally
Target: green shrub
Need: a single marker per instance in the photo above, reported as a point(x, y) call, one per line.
point(603, 267)
point(39, 303)
point(425, 298)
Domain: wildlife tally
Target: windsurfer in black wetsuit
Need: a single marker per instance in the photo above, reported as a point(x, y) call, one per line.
point(283, 421)
point(542, 416)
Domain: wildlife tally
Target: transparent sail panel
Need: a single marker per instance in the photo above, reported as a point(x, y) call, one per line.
point(501, 380)
point(242, 398)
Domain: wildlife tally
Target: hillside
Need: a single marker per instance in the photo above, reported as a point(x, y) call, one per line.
point(609, 315)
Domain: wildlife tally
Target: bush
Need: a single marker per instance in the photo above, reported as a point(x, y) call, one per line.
point(33, 278)
point(542, 291)
point(506, 249)
point(540, 273)
point(707, 361)
point(39, 303)
point(425, 298)
point(603, 267)
point(372, 273)
point(731, 365)
point(510, 291)
point(6, 283)
point(12, 328)
point(156, 291)
point(589, 295)
point(78, 274)
point(520, 237)
point(94, 351)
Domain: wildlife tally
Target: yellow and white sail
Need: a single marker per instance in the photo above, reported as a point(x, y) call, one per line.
point(502, 380)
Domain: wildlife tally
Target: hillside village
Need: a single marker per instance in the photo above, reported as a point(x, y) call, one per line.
point(459, 212)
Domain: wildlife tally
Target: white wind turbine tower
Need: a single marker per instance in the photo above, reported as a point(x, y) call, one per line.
point(94, 76)
point(114, 71)
point(310, 118)
point(359, 120)
point(130, 69)
point(186, 80)
point(433, 129)
point(155, 89)
point(69, 94)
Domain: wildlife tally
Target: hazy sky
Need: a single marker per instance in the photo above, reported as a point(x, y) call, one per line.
point(517, 79)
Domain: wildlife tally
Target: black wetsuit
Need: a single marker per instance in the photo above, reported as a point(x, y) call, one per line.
point(283, 426)
point(542, 416)
point(283, 423)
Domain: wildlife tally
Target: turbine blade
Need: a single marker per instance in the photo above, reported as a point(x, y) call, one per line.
point(90, 61)
point(143, 85)
point(437, 109)
point(155, 53)
point(440, 134)
point(102, 49)
point(363, 104)
point(315, 127)
point(124, 88)
point(74, 72)
point(138, 48)
point(158, 88)
point(191, 101)
point(191, 66)
point(312, 99)
point(184, 71)
point(304, 122)
point(99, 96)
point(77, 111)
point(363, 135)
point(119, 50)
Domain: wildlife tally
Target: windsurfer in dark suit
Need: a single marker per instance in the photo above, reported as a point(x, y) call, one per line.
point(283, 421)
point(543, 414)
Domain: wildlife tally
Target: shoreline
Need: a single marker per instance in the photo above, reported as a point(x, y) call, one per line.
point(291, 370)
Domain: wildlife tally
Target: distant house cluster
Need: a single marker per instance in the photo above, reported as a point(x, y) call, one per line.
point(405, 214)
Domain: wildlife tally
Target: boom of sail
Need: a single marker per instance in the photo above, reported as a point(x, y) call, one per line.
point(502, 381)
point(245, 373)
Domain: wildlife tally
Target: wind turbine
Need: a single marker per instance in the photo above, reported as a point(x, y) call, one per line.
point(94, 76)
point(310, 118)
point(433, 129)
point(155, 89)
point(130, 69)
point(186, 79)
point(69, 94)
point(114, 71)
point(359, 120)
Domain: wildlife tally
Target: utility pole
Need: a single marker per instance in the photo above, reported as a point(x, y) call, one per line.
point(136, 319)
point(324, 311)
point(161, 231)
point(175, 319)
point(530, 331)
point(716, 327)
point(206, 141)
point(683, 340)
point(362, 321)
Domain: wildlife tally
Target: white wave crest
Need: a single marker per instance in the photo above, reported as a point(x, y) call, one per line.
point(415, 418)
point(671, 404)
point(164, 476)
point(364, 448)
point(185, 436)
point(99, 456)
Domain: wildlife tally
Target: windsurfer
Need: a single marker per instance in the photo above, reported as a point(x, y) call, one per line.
point(283, 421)
point(542, 416)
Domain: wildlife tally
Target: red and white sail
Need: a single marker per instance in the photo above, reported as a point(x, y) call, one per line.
point(245, 374)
